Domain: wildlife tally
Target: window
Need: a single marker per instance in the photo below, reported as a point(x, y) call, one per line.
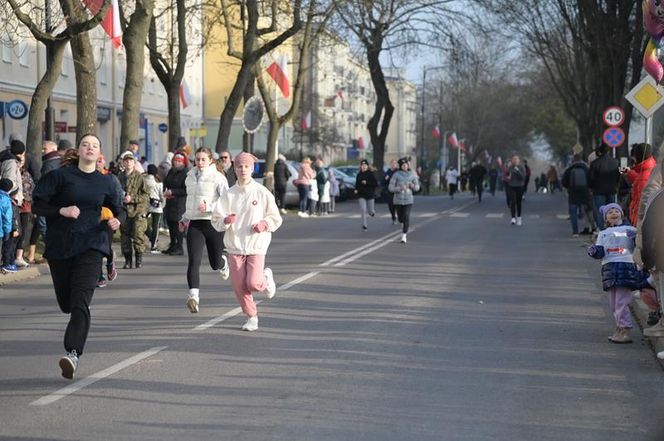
point(6, 48)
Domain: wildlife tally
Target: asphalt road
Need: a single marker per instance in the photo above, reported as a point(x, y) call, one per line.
point(474, 330)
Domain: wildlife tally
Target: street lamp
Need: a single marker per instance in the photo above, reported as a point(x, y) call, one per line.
point(424, 86)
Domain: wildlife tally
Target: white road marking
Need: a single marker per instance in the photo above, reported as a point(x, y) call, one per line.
point(534, 216)
point(459, 214)
point(495, 215)
point(562, 216)
point(349, 257)
point(426, 215)
point(85, 382)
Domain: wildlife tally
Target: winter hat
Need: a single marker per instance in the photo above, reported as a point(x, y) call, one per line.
point(605, 209)
point(17, 147)
point(6, 184)
point(402, 161)
point(152, 169)
point(364, 162)
point(245, 158)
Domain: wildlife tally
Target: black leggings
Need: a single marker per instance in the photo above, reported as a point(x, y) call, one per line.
point(175, 236)
point(201, 232)
point(391, 206)
point(155, 219)
point(403, 213)
point(27, 224)
point(74, 280)
point(515, 197)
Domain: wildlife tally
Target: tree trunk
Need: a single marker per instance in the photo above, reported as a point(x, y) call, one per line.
point(134, 38)
point(232, 104)
point(383, 109)
point(86, 85)
point(39, 99)
point(173, 97)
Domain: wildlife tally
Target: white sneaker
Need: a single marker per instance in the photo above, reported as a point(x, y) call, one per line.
point(192, 303)
point(513, 221)
point(518, 221)
point(403, 238)
point(225, 271)
point(69, 364)
point(302, 214)
point(21, 263)
point(271, 289)
point(283, 211)
point(251, 324)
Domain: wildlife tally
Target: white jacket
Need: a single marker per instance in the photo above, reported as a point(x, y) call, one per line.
point(250, 204)
point(207, 185)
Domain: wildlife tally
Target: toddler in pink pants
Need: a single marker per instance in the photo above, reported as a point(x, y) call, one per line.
point(248, 214)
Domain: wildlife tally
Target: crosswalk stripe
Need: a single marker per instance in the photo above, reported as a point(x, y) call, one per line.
point(534, 216)
point(562, 216)
point(459, 214)
point(427, 214)
point(495, 215)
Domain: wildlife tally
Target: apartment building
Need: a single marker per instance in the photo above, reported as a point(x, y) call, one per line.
point(23, 63)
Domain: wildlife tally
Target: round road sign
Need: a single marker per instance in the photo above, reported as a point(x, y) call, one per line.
point(613, 116)
point(613, 137)
point(16, 109)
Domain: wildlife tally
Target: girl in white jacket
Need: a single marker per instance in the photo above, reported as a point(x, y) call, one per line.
point(248, 213)
point(205, 187)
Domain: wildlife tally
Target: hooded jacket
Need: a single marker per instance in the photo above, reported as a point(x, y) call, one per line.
point(638, 177)
point(251, 204)
point(207, 185)
point(400, 185)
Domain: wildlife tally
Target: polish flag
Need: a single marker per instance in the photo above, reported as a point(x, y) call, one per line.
point(306, 122)
point(452, 140)
point(185, 95)
point(360, 143)
point(462, 145)
point(436, 132)
point(340, 94)
point(111, 21)
point(278, 70)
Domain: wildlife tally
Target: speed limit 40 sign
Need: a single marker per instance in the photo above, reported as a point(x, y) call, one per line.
point(613, 116)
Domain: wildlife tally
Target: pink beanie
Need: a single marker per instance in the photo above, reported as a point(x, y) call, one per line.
point(245, 158)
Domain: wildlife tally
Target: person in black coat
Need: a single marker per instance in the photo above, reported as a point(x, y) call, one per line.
point(281, 176)
point(365, 188)
point(604, 175)
point(477, 173)
point(71, 199)
point(575, 180)
point(175, 193)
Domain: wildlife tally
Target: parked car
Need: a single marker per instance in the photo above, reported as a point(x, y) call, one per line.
point(292, 197)
point(346, 184)
point(350, 170)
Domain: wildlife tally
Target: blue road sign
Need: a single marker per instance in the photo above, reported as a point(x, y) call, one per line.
point(163, 128)
point(613, 137)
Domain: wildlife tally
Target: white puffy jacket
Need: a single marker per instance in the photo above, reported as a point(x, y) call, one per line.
point(207, 185)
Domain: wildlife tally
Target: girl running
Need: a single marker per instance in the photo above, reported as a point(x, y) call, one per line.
point(365, 187)
point(205, 187)
point(402, 184)
point(249, 214)
point(71, 198)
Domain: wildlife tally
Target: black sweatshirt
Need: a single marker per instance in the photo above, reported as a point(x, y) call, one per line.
point(67, 186)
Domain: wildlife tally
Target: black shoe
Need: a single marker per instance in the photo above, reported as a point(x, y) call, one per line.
point(128, 261)
point(176, 253)
point(139, 260)
point(586, 232)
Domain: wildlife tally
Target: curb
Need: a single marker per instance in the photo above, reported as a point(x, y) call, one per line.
point(29, 273)
point(640, 313)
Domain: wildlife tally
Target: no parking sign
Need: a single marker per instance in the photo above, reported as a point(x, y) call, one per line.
point(613, 137)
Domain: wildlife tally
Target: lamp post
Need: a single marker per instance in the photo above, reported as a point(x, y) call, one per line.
point(424, 86)
point(49, 116)
point(442, 150)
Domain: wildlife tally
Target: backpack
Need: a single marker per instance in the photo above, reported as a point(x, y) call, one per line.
point(578, 179)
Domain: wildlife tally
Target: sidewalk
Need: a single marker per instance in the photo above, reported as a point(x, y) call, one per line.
point(31, 272)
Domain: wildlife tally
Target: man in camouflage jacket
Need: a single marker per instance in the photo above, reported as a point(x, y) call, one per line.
point(136, 197)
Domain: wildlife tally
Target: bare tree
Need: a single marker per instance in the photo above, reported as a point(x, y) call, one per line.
point(56, 45)
point(256, 42)
point(135, 35)
point(591, 50)
point(387, 25)
point(306, 37)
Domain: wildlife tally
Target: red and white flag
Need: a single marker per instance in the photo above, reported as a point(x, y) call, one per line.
point(360, 143)
point(185, 95)
point(306, 122)
point(499, 161)
point(340, 94)
point(278, 70)
point(111, 21)
point(436, 132)
point(452, 140)
point(462, 145)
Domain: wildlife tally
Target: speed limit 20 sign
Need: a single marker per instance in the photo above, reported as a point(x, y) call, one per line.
point(613, 116)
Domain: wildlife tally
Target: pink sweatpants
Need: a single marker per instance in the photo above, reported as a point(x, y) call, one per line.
point(247, 276)
point(619, 299)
